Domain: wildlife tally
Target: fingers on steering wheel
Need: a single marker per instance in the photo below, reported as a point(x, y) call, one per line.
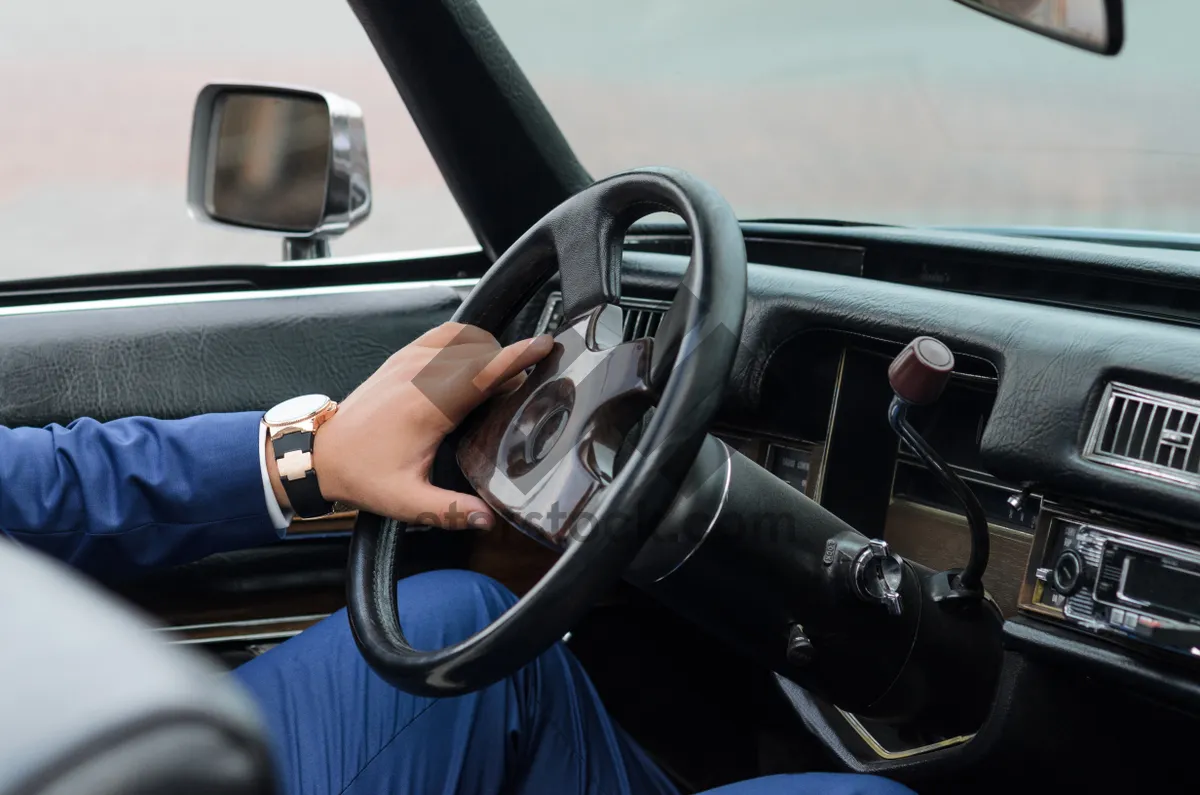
point(510, 363)
point(436, 507)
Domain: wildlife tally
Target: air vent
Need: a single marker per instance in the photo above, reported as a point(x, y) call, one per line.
point(1148, 432)
point(642, 316)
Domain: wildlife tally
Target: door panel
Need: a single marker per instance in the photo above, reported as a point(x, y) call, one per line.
point(179, 355)
point(184, 355)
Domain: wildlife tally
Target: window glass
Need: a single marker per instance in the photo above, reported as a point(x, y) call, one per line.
point(98, 100)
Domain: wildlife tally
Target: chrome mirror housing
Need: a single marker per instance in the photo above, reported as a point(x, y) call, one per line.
point(279, 159)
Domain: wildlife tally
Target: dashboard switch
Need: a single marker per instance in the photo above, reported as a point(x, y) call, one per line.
point(920, 372)
point(800, 651)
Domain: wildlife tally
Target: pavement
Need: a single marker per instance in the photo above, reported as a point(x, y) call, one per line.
point(919, 111)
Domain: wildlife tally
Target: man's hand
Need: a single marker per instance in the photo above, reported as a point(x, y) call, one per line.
point(376, 451)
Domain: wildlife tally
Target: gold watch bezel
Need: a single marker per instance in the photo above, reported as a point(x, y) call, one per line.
point(309, 423)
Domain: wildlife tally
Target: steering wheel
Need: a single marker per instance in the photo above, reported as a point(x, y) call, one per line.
point(545, 457)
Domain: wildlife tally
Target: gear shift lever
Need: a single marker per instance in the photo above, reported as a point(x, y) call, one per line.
point(918, 375)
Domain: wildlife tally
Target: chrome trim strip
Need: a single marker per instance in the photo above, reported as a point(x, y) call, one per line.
point(716, 514)
point(263, 625)
point(368, 259)
point(245, 295)
point(1137, 415)
point(644, 303)
point(819, 487)
point(883, 753)
point(257, 622)
point(282, 635)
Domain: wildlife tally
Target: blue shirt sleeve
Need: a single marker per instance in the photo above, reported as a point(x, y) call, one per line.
point(119, 497)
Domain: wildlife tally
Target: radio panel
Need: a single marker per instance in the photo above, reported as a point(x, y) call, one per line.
point(1115, 581)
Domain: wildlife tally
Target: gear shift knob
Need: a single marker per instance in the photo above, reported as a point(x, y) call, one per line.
point(920, 372)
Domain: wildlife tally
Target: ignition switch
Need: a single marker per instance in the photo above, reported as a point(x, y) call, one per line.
point(876, 576)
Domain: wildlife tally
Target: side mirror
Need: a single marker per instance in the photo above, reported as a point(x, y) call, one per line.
point(290, 161)
point(1095, 25)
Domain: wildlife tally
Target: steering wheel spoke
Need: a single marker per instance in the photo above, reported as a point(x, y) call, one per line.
point(589, 273)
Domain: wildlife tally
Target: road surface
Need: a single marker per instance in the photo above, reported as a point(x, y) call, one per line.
point(918, 111)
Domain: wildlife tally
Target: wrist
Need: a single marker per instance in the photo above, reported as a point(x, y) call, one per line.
point(277, 488)
point(326, 463)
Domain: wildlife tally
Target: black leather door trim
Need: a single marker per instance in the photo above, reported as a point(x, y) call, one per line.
point(176, 356)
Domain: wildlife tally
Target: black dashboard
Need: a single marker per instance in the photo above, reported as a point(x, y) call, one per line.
point(1045, 333)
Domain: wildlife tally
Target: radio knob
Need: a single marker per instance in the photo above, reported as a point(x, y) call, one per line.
point(1067, 575)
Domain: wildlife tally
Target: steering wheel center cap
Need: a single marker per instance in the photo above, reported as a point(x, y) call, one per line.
point(531, 439)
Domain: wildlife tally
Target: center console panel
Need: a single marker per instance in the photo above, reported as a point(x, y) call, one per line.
point(860, 472)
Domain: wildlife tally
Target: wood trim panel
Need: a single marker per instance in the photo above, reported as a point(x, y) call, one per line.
point(941, 540)
point(341, 521)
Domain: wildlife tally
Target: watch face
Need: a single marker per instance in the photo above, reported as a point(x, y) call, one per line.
point(295, 409)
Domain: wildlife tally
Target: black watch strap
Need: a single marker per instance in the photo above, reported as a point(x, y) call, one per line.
point(293, 457)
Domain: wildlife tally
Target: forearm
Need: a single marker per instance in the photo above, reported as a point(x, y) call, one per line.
point(135, 493)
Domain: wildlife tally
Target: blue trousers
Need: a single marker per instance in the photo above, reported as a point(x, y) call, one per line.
point(339, 729)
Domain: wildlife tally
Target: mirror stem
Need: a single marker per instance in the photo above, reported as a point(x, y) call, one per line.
point(305, 248)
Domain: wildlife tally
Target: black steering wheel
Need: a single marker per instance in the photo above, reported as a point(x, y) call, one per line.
point(545, 456)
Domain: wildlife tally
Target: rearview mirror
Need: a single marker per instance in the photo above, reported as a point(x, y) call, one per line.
point(1096, 25)
point(285, 160)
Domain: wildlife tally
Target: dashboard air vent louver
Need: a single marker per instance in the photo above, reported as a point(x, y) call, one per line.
point(642, 316)
point(641, 321)
point(1148, 432)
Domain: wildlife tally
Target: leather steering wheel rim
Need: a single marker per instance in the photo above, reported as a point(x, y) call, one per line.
point(687, 366)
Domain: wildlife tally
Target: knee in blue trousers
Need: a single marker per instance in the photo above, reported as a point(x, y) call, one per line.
point(338, 729)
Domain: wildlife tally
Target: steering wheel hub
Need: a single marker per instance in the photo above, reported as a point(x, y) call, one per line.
point(541, 453)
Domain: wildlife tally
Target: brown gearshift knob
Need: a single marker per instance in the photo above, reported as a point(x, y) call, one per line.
point(920, 372)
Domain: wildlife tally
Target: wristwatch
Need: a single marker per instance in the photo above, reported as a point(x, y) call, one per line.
point(292, 427)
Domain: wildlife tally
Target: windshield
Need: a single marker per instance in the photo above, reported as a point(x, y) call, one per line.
point(912, 112)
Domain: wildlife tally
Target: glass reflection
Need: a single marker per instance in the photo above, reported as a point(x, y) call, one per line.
point(1080, 20)
point(271, 161)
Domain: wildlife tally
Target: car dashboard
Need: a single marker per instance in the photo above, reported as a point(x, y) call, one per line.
point(1071, 416)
